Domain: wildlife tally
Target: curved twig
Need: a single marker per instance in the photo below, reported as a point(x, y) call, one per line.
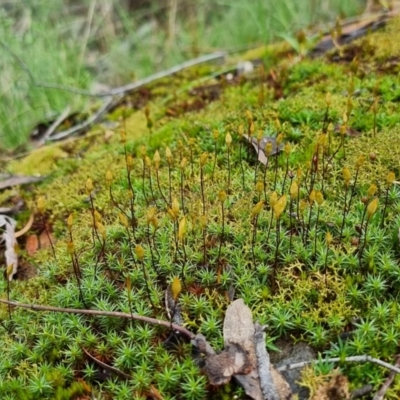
point(363, 358)
point(115, 314)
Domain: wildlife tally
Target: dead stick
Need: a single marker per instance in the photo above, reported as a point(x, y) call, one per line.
point(363, 358)
point(115, 314)
point(380, 395)
point(106, 366)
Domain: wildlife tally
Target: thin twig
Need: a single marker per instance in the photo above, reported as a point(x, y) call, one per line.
point(363, 358)
point(107, 105)
point(106, 366)
point(115, 314)
point(380, 395)
point(52, 128)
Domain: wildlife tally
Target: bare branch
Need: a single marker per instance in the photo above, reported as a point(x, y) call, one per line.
point(115, 314)
point(106, 366)
point(363, 358)
point(380, 395)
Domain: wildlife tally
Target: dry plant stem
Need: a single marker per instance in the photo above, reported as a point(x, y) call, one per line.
point(380, 395)
point(215, 160)
point(313, 171)
point(159, 188)
point(150, 242)
point(183, 264)
point(276, 170)
point(94, 230)
point(385, 207)
point(362, 224)
point(117, 205)
point(363, 358)
point(129, 302)
point(326, 266)
point(106, 366)
point(353, 191)
point(146, 282)
point(75, 266)
point(203, 200)
point(229, 171)
point(221, 241)
point(204, 247)
point(151, 188)
point(256, 167)
point(154, 244)
point(269, 226)
point(182, 196)
point(48, 237)
point(325, 121)
point(254, 238)
point(8, 297)
point(344, 211)
point(241, 166)
point(264, 179)
point(323, 172)
point(191, 161)
point(115, 314)
point(307, 230)
point(316, 231)
point(143, 182)
point(290, 225)
point(364, 244)
point(132, 204)
point(286, 174)
point(276, 255)
point(169, 183)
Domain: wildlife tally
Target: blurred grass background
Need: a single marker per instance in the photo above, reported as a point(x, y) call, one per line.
point(111, 42)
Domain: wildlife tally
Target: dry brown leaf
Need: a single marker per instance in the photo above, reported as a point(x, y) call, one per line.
point(32, 245)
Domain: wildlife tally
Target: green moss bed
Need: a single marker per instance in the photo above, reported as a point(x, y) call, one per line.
point(324, 269)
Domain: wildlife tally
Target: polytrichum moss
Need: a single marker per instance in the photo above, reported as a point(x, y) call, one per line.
point(308, 247)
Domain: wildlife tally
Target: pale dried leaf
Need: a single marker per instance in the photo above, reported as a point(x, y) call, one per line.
point(8, 237)
point(239, 329)
point(259, 147)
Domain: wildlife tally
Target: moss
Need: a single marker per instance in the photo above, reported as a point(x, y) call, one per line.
point(291, 277)
point(39, 162)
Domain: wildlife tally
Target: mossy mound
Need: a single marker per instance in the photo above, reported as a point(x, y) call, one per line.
point(186, 189)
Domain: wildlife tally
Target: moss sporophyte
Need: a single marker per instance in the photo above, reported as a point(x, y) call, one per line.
point(309, 239)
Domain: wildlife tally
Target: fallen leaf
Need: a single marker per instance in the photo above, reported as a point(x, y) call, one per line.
point(32, 245)
point(260, 146)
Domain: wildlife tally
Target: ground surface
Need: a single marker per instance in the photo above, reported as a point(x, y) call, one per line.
point(321, 265)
